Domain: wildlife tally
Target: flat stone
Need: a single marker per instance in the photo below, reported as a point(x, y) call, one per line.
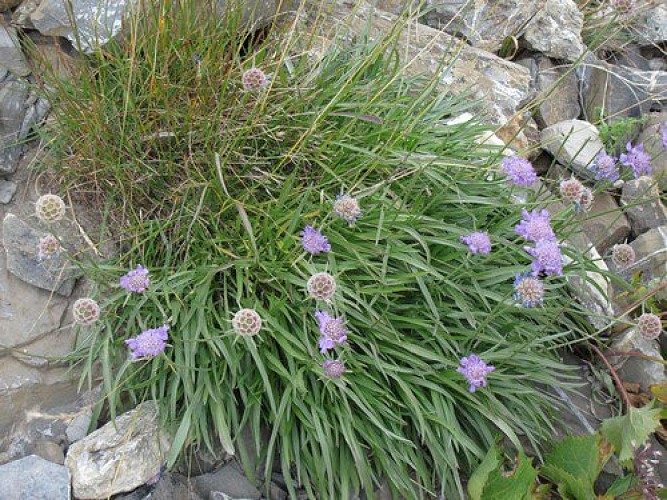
point(652, 140)
point(120, 456)
point(21, 244)
point(651, 258)
point(13, 96)
point(50, 450)
point(7, 190)
point(555, 30)
point(228, 480)
point(641, 199)
point(11, 55)
point(34, 478)
point(650, 28)
point(77, 429)
point(558, 92)
point(635, 369)
point(605, 224)
point(574, 144)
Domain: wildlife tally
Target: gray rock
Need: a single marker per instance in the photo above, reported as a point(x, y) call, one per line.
point(13, 95)
point(8, 4)
point(651, 258)
point(33, 478)
point(11, 55)
point(169, 487)
point(605, 224)
point(7, 190)
point(650, 27)
point(558, 92)
point(652, 140)
point(21, 244)
point(34, 115)
point(641, 199)
point(574, 143)
point(50, 450)
point(228, 480)
point(634, 369)
point(556, 30)
point(78, 427)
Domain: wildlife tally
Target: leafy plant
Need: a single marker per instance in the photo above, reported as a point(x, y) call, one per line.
point(617, 133)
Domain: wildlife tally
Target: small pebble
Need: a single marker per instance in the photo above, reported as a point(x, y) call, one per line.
point(7, 190)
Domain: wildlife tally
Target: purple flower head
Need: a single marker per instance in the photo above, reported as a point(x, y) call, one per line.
point(535, 226)
point(478, 242)
point(604, 167)
point(638, 159)
point(347, 208)
point(332, 331)
point(663, 134)
point(313, 241)
point(528, 290)
point(334, 368)
point(520, 172)
point(254, 79)
point(148, 344)
point(136, 280)
point(475, 371)
point(547, 257)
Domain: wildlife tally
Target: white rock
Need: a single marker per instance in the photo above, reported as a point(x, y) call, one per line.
point(556, 30)
point(574, 143)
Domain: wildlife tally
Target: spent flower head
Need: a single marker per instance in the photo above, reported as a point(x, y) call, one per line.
point(334, 368)
point(547, 257)
point(475, 371)
point(313, 241)
point(254, 79)
point(332, 330)
point(85, 311)
point(623, 255)
point(570, 190)
point(321, 286)
point(638, 159)
point(528, 290)
point(520, 172)
point(149, 343)
point(478, 242)
point(50, 208)
point(649, 326)
point(136, 280)
point(624, 7)
point(535, 225)
point(586, 201)
point(247, 322)
point(48, 247)
point(605, 168)
point(347, 208)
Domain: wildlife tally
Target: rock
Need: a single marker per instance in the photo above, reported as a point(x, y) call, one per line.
point(50, 451)
point(21, 242)
point(8, 4)
point(21, 16)
point(558, 93)
point(574, 143)
point(502, 87)
point(78, 427)
point(34, 478)
point(11, 55)
point(169, 487)
point(635, 369)
point(652, 141)
point(651, 258)
point(228, 480)
point(641, 199)
point(119, 456)
point(556, 30)
point(13, 95)
point(605, 224)
point(34, 115)
point(650, 28)
point(7, 190)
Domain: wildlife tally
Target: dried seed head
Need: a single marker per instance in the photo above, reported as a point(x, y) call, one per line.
point(347, 208)
point(254, 79)
point(649, 326)
point(247, 322)
point(48, 247)
point(586, 200)
point(321, 286)
point(50, 208)
point(623, 256)
point(571, 190)
point(85, 311)
point(334, 368)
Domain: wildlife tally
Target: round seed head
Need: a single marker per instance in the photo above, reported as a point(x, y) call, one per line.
point(649, 326)
point(571, 190)
point(623, 255)
point(247, 322)
point(334, 368)
point(586, 200)
point(347, 208)
point(85, 311)
point(321, 286)
point(50, 208)
point(254, 79)
point(48, 247)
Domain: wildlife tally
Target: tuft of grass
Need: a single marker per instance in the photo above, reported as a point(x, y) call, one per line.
point(212, 186)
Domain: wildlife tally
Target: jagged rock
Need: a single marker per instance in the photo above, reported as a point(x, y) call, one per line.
point(228, 480)
point(11, 55)
point(556, 30)
point(119, 456)
point(50, 450)
point(651, 258)
point(7, 190)
point(652, 141)
point(8, 4)
point(574, 143)
point(168, 487)
point(641, 198)
point(21, 242)
point(13, 96)
point(77, 429)
point(635, 369)
point(605, 224)
point(34, 478)
point(651, 26)
point(558, 92)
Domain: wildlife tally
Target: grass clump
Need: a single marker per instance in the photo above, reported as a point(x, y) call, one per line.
point(213, 185)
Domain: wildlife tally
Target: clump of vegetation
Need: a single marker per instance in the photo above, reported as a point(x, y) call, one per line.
point(314, 251)
point(617, 133)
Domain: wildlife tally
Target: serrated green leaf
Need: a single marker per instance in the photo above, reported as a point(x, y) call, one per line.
point(634, 427)
point(620, 486)
point(517, 485)
point(479, 477)
point(569, 486)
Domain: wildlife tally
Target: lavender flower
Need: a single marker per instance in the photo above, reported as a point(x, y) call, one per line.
point(136, 280)
point(638, 159)
point(478, 242)
point(520, 172)
point(604, 167)
point(148, 344)
point(347, 208)
point(334, 368)
point(332, 331)
point(528, 290)
point(475, 371)
point(535, 226)
point(547, 257)
point(663, 134)
point(314, 241)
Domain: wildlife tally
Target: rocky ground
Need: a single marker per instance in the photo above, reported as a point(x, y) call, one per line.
point(543, 101)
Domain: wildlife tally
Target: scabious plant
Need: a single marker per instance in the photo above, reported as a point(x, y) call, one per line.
point(49, 246)
point(571, 190)
point(347, 208)
point(254, 79)
point(586, 200)
point(85, 311)
point(605, 168)
point(334, 368)
point(623, 255)
point(638, 159)
point(520, 172)
point(332, 330)
point(478, 242)
point(535, 225)
point(649, 326)
point(313, 241)
point(149, 343)
point(528, 290)
point(321, 286)
point(548, 258)
point(136, 280)
point(50, 208)
point(475, 371)
point(247, 322)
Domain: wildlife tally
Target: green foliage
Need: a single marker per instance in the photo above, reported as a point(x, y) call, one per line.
point(627, 431)
point(489, 482)
point(616, 133)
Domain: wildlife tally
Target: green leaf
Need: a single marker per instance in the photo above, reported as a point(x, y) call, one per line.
point(518, 484)
point(660, 392)
point(631, 430)
point(480, 476)
point(620, 486)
